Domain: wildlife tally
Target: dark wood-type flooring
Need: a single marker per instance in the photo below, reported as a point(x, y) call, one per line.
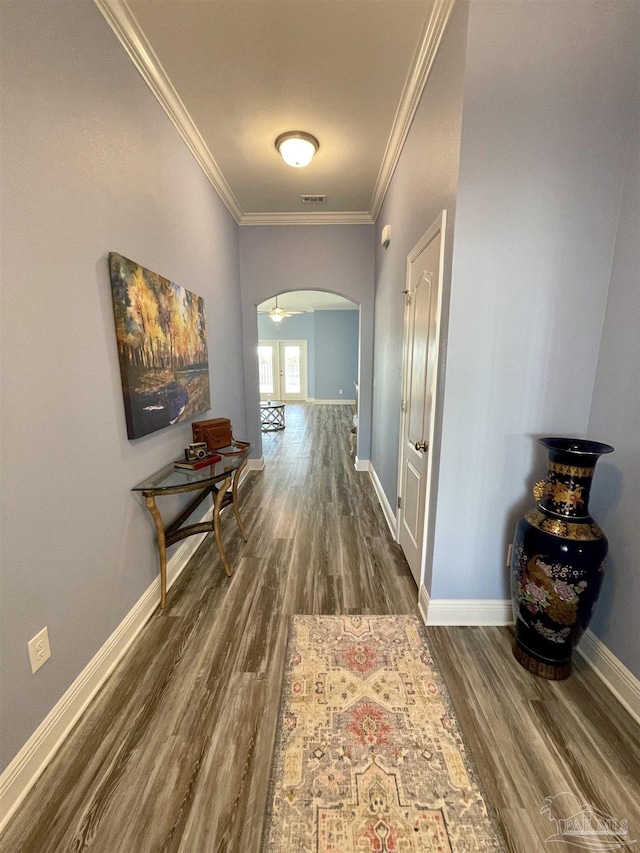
point(174, 754)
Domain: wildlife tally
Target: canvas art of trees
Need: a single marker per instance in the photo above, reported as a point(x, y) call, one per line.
point(162, 347)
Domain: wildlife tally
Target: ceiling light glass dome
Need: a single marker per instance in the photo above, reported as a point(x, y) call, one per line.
point(297, 148)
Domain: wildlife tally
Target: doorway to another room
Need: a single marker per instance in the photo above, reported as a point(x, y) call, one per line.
point(308, 350)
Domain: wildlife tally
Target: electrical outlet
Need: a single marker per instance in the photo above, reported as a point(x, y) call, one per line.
point(39, 650)
point(340, 391)
point(509, 554)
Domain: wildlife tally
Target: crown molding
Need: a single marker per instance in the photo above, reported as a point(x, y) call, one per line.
point(413, 88)
point(130, 35)
point(326, 217)
point(128, 32)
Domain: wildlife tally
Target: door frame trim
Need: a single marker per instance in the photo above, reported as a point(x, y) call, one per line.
point(440, 225)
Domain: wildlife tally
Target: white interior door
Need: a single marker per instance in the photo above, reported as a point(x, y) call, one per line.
point(420, 371)
point(282, 368)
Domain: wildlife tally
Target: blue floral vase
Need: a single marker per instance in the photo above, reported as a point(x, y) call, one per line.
point(557, 561)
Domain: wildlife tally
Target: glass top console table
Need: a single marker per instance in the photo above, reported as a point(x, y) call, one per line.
point(220, 480)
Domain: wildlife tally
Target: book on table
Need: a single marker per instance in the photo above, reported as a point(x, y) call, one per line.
point(196, 464)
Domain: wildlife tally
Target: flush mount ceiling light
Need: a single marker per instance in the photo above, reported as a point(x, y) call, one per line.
point(297, 148)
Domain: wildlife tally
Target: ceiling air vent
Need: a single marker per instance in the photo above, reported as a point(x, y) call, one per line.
point(314, 199)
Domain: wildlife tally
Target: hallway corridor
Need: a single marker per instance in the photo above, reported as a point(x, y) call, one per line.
point(174, 754)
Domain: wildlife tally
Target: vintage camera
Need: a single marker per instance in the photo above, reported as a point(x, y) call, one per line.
point(195, 451)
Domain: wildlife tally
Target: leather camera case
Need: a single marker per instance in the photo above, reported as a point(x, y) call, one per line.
point(215, 432)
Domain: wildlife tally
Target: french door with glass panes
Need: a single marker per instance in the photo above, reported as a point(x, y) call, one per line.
point(283, 370)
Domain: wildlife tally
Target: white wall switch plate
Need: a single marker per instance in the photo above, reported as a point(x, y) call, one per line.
point(39, 649)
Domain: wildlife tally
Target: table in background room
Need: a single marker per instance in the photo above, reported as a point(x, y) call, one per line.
point(271, 416)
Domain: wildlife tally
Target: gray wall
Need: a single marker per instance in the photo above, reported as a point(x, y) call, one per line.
point(522, 138)
point(90, 163)
point(424, 184)
point(336, 354)
point(280, 258)
point(298, 327)
point(615, 418)
point(546, 124)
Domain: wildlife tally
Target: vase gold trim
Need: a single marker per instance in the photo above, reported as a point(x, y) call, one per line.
point(588, 532)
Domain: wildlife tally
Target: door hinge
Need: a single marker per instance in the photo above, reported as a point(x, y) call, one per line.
point(399, 502)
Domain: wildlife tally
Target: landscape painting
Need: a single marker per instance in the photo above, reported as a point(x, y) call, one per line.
point(162, 346)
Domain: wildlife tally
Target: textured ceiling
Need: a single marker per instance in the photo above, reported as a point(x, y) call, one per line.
point(248, 70)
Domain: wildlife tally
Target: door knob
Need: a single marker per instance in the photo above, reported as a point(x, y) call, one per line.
point(421, 446)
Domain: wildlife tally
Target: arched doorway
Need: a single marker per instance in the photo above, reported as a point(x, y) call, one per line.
point(308, 348)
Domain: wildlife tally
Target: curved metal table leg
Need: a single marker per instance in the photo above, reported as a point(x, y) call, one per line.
point(234, 495)
point(162, 550)
point(217, 503)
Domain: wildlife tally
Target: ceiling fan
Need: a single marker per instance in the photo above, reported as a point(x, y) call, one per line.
point(278, 314)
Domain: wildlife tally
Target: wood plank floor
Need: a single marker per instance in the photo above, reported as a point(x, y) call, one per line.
point(174, 754)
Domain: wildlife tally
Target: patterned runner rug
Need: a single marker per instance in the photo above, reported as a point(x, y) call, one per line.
point(368, 757)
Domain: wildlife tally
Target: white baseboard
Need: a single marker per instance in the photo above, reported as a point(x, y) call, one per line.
point(339, 402)
point(384, 503)
point(361, 464)
point(24, 770)
point(252, 465)
point(423, 602)
point(462, 611)
point(621, 682)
